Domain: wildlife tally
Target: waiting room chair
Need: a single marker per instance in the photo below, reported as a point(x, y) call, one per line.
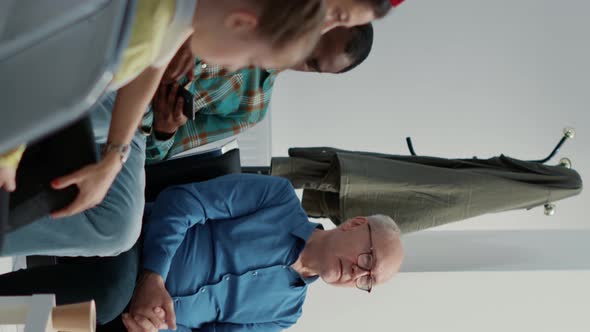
point(191, 168)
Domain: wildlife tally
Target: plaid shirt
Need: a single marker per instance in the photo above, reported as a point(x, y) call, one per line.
point(226, 103)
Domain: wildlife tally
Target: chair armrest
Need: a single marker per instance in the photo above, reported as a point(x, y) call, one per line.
point(189, 169)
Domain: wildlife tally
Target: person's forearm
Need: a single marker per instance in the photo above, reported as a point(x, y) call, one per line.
point(131, 103)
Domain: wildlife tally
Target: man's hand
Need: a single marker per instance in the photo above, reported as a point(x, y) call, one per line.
point(7, 178)
point(149, 301)
point(93, 181)
point(182, 64)
point(167, 105)
point(142, 324)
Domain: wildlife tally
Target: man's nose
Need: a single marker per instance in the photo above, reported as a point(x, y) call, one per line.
point(358, 272)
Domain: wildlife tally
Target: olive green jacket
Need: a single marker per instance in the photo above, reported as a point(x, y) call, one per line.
point(419, 192)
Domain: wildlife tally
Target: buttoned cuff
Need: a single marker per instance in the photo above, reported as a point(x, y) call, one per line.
point(157, 261)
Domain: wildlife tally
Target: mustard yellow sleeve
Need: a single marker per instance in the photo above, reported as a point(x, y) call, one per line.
point(147, 32)
point(12, 157)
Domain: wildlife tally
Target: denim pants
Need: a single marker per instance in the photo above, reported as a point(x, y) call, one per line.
point(108, 229)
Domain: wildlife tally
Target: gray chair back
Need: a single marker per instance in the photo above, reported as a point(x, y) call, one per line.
point(56, 59)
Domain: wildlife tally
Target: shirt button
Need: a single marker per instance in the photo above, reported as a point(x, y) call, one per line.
point(255, 273)
point(226, 278)
point(203, 290)
point(204, 66)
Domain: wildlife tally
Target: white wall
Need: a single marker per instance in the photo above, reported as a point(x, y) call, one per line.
point(497, 250)
point(463, 78)
point(456, 302)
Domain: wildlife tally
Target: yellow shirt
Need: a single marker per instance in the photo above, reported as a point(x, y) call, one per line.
point(12, 157)
point(150, 24)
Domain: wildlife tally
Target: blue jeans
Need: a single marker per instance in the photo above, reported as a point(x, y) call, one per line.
point(108, 229)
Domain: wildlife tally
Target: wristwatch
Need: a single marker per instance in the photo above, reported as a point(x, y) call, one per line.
point(122, 149)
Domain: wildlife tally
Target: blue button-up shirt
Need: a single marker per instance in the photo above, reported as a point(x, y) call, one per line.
point(224, 248)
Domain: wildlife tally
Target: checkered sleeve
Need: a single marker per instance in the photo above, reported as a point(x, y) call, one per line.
point(155, 149)
point(234, 106)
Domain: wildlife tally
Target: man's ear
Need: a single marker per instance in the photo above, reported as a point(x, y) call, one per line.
point(353, 223)
point(241, 21)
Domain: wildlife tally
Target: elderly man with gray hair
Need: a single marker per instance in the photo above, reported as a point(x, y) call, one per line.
point(236, 253)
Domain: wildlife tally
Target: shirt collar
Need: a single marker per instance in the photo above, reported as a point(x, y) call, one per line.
point(309, 280)
point(220, 71)
point(304, 231)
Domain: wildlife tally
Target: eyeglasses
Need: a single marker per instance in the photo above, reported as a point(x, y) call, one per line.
point(366, 262)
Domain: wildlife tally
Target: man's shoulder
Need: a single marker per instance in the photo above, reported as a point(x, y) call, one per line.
point(262, 180)
point(275, 191)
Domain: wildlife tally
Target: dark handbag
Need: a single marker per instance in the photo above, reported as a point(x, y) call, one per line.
point(56, 155)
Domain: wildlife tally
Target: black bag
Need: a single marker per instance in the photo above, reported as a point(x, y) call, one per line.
point(56, 155)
